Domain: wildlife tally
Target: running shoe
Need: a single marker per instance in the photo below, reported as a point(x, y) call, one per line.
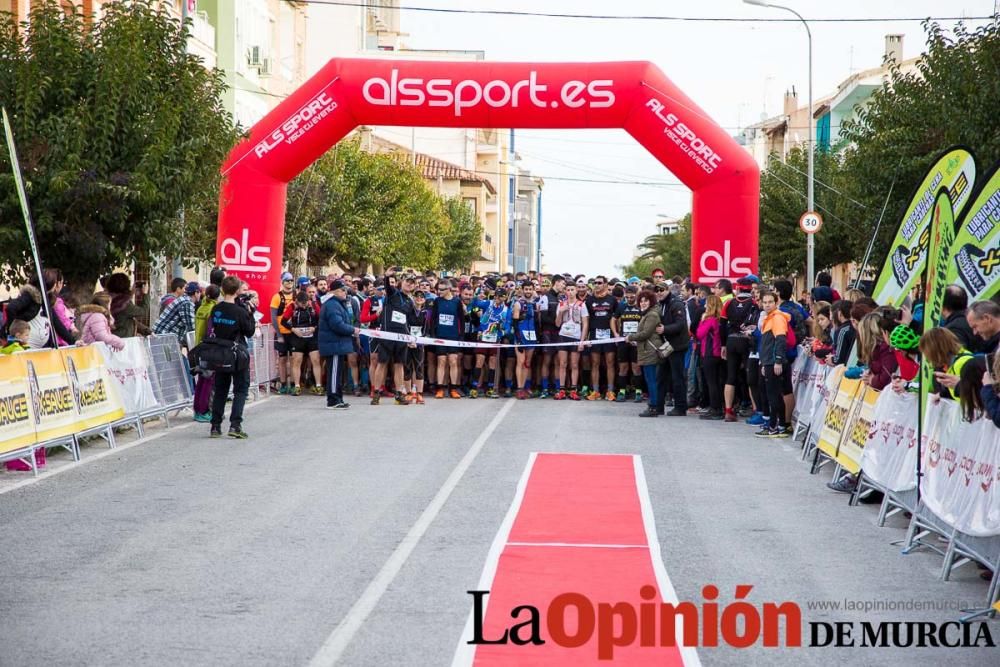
point(610, 396)
point(756, 419)
point(731, 417)
point(401, 399)
point(711, 416)
point(317, 391)
point(237, 433)
point(574, 396)
point(492, 393)
point(764, 432)
point(440, 393)
point(507, 393)
point(783, 432)
point(387, 393)
point(283, 390)
point(592, 396)
point(418, 399)
point(338, 406)
point(560, 395)
point(297, 391)
point(535, 394)
point(376, 397)
point(585, 391)
point(215, 432)
point(545, 394)
point(455, 393)
point(358, 392)
point(621, 396)
point(843, 485)
point(639, 397)
point(204, 417)
point(521, 394)
point(473, 393)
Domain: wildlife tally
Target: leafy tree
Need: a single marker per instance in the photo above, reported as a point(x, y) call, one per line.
point(908, 122)
point(463, 242)
point(670, 252)
point(118, 128)
point(357, 208)
point(783, 188)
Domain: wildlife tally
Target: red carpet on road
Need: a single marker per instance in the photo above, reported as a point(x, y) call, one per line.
point(579, 529)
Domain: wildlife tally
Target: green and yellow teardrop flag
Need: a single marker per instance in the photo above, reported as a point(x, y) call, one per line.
point(974, 262)
point(941, 238)
point(956, 172)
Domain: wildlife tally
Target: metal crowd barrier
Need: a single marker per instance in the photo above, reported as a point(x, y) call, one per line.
point(925, 529)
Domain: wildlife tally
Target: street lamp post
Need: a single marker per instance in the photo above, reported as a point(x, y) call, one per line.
point(810, 238)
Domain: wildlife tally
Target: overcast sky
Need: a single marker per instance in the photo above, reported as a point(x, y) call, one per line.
point(737, 72)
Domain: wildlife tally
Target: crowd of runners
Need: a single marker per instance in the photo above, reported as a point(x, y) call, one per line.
point(720, 351)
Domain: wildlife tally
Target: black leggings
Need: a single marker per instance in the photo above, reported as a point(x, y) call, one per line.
point(775, 385)
point(714, 379)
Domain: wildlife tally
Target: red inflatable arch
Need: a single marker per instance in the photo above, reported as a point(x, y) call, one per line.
point(349, 92)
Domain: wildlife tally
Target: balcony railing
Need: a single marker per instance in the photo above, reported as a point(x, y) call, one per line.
point(202, 40)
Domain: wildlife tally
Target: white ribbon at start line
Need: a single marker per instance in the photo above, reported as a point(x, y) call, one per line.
point(421, 340)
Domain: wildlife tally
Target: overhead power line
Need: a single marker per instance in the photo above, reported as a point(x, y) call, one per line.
point(642, 17)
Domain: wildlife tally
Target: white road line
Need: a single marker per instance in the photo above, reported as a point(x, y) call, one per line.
point(688, 653)
point(341, 637)
point(578, 545)
point(465, 652)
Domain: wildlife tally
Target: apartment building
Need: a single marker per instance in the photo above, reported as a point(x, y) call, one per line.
point(780, 134)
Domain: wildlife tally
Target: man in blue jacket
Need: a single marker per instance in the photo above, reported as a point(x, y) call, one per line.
point(336, 341)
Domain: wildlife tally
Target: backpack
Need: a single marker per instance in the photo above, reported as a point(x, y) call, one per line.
point(217, 355)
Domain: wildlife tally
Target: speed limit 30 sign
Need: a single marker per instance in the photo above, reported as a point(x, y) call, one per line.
point(811, 222)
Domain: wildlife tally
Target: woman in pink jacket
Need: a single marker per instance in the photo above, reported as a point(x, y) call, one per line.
point(95, 323)
point(710, 343)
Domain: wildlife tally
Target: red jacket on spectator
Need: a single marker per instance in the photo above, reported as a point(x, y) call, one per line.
point(882, 365)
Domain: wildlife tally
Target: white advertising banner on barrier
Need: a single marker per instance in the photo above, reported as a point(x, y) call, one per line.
point(889, 457)
point(961, 467)
point(130, 370)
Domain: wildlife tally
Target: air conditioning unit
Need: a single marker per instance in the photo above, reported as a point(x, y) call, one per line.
point(254, 56)
point(264, 69)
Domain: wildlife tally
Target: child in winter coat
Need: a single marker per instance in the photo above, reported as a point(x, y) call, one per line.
point(96, 323)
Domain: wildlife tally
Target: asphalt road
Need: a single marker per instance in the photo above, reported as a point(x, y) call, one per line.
point(190, 551)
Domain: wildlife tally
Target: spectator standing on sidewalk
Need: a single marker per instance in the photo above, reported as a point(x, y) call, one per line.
point(178, 318)
point(336, 341)
point(231, 321)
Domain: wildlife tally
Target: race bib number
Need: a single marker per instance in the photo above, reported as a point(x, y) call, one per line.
point(529, 335)
point(543, 303)
point(398, 317)
point(446, 320)
point(490, 337)
point(570, 330)
point(304, 332)
point(602, 334)
point(416, 331)
point(630, 327)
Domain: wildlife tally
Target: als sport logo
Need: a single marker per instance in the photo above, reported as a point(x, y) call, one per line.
point(239, 255)
point(468, 93)
point(723, 265)
point(300, 122)
point(686, 139)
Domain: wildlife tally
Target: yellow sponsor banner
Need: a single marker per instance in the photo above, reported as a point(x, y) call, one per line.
point(17, 420)
point(96, 398)
point(838, 416)
point(51, 395)
point(856, 435)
